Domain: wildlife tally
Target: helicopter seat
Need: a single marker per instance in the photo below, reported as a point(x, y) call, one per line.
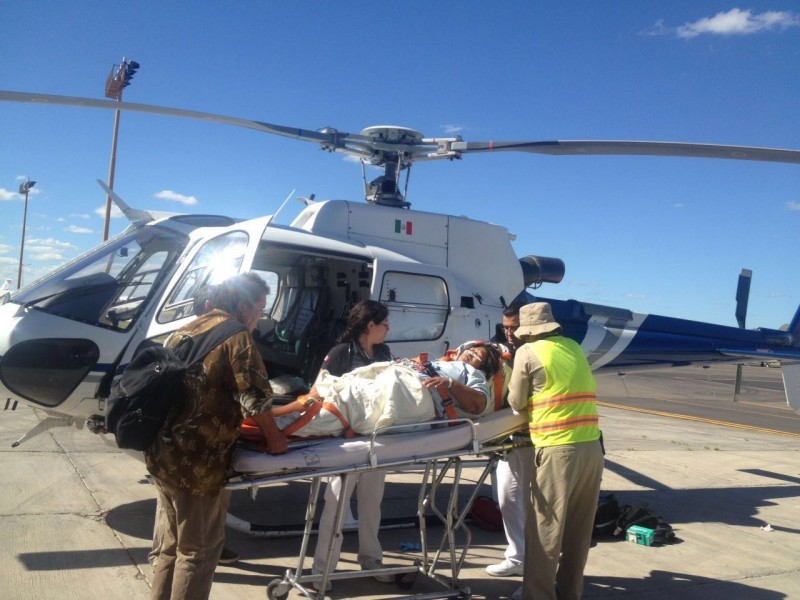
point(303, 312)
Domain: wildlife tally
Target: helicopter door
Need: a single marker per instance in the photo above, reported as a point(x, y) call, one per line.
point(419, 298)
point(216, 256)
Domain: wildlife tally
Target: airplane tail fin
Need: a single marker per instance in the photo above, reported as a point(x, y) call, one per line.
point(794, 328)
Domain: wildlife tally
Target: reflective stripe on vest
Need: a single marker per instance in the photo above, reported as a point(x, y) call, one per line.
point(565, 410)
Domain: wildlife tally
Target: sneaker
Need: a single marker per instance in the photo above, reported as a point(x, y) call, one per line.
point(371, 564)
point(227, 557)
point(517, 595)
point(504, 569)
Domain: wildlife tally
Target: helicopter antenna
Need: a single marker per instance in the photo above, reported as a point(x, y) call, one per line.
point(280, 208)
point(408, 177)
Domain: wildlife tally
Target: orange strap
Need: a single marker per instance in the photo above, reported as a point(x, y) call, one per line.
point(331, 408)
point(447, 402)
point(250, 430)
point(449, 356)
point(498, 389)
point(312, 409)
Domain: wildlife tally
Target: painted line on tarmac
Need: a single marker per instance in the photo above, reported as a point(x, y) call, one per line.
point(698, 419)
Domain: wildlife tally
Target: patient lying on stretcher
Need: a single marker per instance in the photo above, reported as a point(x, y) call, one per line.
point(398, 393)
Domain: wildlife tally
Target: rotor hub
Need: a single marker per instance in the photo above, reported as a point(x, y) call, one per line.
point(392, 134)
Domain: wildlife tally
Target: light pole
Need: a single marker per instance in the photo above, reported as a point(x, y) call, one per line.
point(119, 78)
point(24, 189)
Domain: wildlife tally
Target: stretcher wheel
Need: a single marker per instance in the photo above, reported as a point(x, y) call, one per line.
point(277, 589)
point(405, 580)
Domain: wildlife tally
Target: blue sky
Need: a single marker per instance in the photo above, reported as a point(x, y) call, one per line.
point(656, 235)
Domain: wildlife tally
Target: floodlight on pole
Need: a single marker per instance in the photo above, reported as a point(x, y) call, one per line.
point(24, 189)
point(119, 78)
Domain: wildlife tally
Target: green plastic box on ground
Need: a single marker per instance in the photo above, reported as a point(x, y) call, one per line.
point(639, 535)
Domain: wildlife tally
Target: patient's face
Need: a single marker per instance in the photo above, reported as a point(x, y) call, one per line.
point(474, 356)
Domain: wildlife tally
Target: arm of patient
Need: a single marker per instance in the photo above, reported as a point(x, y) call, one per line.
point(469, 399)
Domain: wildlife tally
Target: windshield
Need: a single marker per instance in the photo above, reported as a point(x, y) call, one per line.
point(108, 286)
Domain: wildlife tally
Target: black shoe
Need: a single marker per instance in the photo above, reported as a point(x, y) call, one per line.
point(227, 557)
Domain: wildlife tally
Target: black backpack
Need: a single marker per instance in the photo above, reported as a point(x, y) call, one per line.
point(151, 387)
point(606, 516)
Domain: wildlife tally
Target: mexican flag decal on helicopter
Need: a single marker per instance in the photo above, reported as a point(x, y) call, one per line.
point(402, 227)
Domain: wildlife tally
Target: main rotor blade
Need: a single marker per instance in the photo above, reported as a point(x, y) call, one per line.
point(633, 148)
point(376, 150)
point(333, 139)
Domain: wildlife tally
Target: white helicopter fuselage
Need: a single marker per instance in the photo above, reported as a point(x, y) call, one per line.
point(445, 280)
point(65, 338)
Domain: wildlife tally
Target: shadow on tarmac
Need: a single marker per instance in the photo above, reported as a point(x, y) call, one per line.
point(679, 585)
point(731, 506)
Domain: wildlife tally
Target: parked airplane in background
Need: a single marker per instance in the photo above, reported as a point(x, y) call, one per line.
point(65, 337)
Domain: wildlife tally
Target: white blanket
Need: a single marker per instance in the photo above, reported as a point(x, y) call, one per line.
point(378, 395)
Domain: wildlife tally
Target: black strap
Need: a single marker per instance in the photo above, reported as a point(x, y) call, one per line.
point(429, 370)
point(200, 345)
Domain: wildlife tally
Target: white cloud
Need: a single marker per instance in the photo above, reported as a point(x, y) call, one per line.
point(679, 205)
point(739, 22)
point(734, 22)
point(116, 213)
point(44, 256)
point(793, 205)
point(5, 249)
point(47, 245)
point(176, 197)
point(76, 229)
point(453, 129)
point(6, 195)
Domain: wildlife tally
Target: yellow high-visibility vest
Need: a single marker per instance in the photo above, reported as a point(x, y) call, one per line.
point(565, 410)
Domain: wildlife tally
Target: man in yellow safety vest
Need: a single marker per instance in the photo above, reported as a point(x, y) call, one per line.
point(553, 382)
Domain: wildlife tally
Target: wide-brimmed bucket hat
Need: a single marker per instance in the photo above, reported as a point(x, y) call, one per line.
point(536, 320)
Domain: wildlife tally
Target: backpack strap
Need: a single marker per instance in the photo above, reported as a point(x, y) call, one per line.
point(200, 345)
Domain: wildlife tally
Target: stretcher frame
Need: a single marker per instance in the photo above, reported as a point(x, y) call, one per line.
point(439, 467)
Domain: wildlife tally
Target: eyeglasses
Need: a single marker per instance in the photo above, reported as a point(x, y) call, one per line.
point(511, 329)
point(384, 324)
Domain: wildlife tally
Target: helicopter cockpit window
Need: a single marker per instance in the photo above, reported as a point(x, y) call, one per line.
point(418, 306)
point(108, 286)
point(218, 259)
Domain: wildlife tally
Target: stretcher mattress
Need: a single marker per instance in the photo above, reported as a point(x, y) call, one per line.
point(390, 447)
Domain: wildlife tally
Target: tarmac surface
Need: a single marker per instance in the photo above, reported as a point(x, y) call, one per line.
point(76, 515)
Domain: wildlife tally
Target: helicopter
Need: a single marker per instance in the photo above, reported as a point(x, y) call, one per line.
point(66, 337)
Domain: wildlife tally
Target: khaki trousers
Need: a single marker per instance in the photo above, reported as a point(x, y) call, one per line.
point(369, 487)
point(558, 527)
point(192, 530)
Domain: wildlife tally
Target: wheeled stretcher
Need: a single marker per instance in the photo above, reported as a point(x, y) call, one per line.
point(440, 449)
